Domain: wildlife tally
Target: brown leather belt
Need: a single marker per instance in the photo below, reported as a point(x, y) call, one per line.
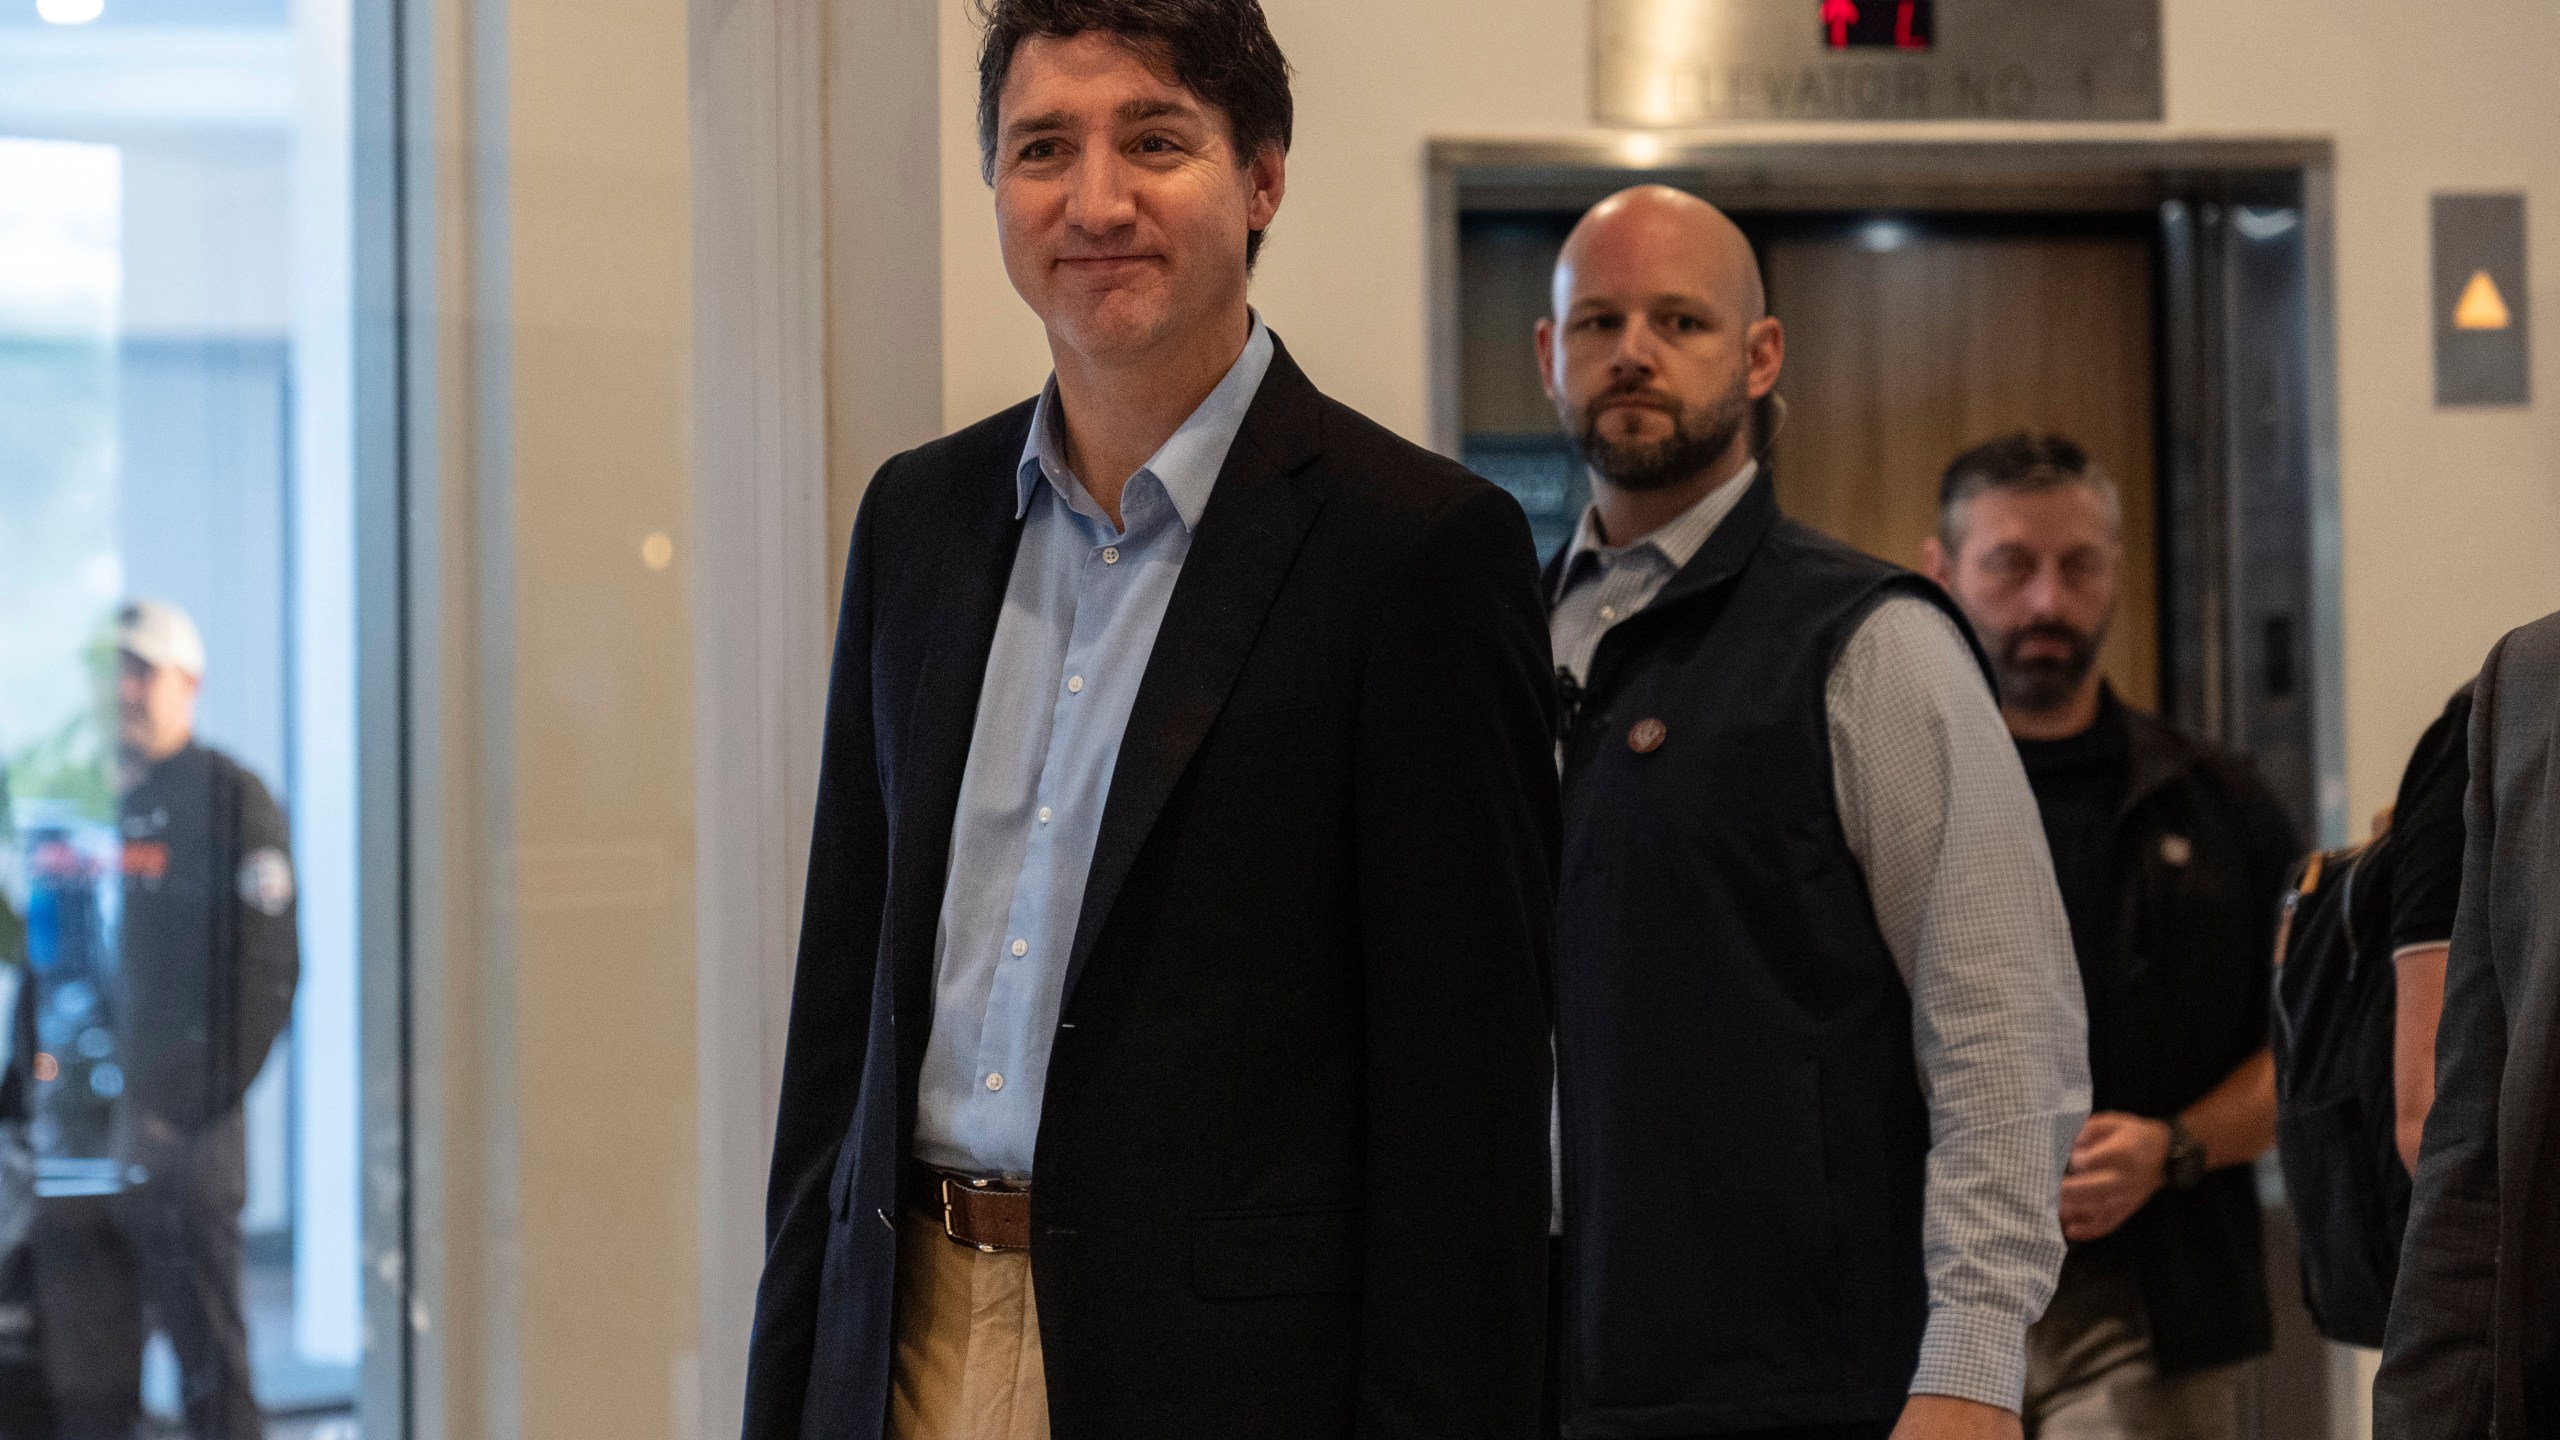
point(982, 1214)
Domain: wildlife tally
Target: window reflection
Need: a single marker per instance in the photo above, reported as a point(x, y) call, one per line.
point(179, 1202)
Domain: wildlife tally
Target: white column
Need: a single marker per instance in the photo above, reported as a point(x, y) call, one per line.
point(328, 1205)
point(817, 354)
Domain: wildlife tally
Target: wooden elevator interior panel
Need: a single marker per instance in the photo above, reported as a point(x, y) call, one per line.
point(1909, 339)
point(1907, 345)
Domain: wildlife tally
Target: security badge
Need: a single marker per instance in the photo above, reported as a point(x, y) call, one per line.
point(266, 882)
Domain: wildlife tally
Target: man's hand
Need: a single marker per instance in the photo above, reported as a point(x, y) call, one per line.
point(1944, 1417)
point(2117, 1165)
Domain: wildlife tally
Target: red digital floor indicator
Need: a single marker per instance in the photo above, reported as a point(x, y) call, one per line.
point(1878, 24)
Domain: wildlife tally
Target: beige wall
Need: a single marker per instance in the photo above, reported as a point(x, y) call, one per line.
point(555, 1111)
point(601, 216)
point(2451, 519)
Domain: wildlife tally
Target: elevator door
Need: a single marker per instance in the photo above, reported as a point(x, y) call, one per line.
point(1907, 342)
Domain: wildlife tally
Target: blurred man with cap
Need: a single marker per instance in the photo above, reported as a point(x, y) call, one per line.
point(206, 964)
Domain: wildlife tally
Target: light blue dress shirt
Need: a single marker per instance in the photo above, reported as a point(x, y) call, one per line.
point(1079, 623)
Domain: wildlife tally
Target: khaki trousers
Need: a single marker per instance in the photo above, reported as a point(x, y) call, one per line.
point(2090, 1374)
point(968, 1364)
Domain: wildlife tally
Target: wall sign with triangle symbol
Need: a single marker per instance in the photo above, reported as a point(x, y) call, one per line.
point(2482, 305)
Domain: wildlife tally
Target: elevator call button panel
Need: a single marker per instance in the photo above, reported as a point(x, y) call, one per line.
point(2482, 357)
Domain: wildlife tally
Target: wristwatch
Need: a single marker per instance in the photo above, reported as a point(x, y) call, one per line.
point(2185, 1165)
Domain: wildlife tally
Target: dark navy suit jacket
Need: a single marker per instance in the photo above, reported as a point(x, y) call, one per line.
point(1291, 1176)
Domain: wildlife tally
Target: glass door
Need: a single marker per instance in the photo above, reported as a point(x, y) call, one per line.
point(181, 1203)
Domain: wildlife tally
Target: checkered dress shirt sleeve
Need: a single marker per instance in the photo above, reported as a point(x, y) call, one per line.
point(1939, 815)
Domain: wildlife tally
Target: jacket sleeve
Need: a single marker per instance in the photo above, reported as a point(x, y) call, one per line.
point(830, 1009)
point(270, 954)
point(2436, 1377)
point(19, 1015)
point(1457, 852)
point(21, 1020)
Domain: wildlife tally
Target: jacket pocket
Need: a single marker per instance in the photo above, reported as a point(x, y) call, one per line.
point(1243, 1254)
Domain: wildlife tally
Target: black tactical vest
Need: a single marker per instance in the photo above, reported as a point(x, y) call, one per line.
point(1745, 1134)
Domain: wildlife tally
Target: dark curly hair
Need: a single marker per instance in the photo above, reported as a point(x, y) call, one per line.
point(2026, 461)
point(1219, 50)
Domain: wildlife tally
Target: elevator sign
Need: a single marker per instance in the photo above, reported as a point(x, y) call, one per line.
point(1697, 62)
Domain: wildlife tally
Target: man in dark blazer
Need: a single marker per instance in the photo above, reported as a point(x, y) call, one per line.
point(2474, 1338)
point(1168, 1055)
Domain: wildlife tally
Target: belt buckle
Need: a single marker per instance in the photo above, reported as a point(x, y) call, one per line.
point(951, 1234)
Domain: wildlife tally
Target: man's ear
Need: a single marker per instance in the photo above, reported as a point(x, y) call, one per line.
point(1269, 177)
point(1933, 562)
point(1766, 345)
point(1544, 336)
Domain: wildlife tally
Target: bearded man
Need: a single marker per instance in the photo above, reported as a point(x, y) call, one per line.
point(2172, 859)
point(1819, 1040)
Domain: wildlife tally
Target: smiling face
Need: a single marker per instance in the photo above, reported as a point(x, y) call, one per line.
point(1120, 202)
point(1657, 346)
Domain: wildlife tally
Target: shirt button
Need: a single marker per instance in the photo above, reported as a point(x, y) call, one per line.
point(1021, 948)
point(1075, 684)
point(1044, 814)
point(995, 1082)
point(1608, 612)
point(1110, 554)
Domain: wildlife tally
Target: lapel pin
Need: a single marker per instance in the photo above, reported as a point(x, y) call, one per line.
point(1647, 736)
point(2177, 849)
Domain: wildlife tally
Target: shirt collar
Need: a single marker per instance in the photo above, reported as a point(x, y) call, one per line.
point(1188, 462)
point(1678, 542)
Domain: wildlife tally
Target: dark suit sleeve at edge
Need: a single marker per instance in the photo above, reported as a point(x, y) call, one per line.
point(1458, 848)
point(830, 1009)
point(2435, 1378)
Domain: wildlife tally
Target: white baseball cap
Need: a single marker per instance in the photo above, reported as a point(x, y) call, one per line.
point(158, 634)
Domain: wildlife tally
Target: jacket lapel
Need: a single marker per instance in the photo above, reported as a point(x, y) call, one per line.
point(976, 534)
point(1258, 513)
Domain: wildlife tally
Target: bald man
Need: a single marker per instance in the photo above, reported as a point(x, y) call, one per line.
point(1820, 1042)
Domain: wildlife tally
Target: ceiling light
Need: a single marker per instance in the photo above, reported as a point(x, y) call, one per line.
point(1884, 236)
point(2258, 224)
point(1640, 151)
point(71, 12)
